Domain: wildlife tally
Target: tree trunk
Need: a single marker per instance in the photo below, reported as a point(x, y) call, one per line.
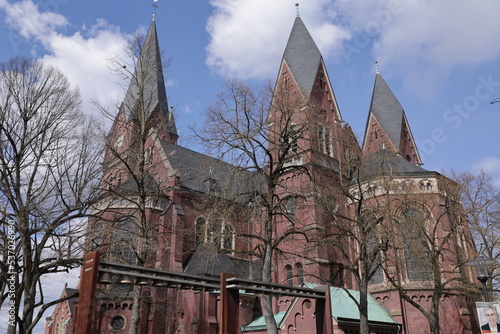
point(363, 308)
point(267, 300)
point(135, 314)
point(434, 314)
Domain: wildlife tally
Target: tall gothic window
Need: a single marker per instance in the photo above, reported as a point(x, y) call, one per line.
point(200, 234)
point(293, 138)
point(416, 245)
point(124, 246)
point(300, 273)
point(289, 274)
point(215, 231)
point(325, 140)
point(373, 241)
point(290, 208)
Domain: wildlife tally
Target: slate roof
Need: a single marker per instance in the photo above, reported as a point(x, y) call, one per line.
point(148, 79)
point(386, 163)
point(202, 173)
point(302, 56)
point(208, 261)
point(387, 109)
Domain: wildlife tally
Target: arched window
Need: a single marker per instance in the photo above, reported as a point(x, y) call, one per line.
point(200, 230)
point(125, 241)
point(119, 179)
point(290, 208)
point(227, 239)
point(299, 273)
point(215, 231)
point(148, 156)
point(294, 139)
point(369, 223)
point(325, 140)
point(328, 142)
point(416, 244)
point(289, 274)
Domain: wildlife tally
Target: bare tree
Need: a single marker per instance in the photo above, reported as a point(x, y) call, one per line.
point(259, 132)
point(405, 227)
point(49, 163)
point(133, 193)
point(430, 242)
point(355, 208)
point(481, 203)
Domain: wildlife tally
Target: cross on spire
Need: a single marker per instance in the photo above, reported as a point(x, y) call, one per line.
point(155, 6)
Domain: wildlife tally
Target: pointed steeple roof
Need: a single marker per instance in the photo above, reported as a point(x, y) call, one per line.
point(388, 114)
point(148, 80)
point(387, 109)
point(302, 56)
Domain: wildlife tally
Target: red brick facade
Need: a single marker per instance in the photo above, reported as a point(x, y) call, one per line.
point(181, 217)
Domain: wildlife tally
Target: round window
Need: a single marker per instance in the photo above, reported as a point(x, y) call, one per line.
point(117, 322)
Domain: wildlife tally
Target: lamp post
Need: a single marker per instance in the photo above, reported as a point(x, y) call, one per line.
point(480, 263)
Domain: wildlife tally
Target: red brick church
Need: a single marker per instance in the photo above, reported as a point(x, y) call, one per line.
point(168, 207)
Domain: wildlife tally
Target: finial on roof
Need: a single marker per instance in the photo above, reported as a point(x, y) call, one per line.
point(297, 9)
point(376, 66)
point(154, 10)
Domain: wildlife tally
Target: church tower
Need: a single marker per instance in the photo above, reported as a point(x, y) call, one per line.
point(387, 126)
point(422, 265)
point(305, 113)
point(304, 80)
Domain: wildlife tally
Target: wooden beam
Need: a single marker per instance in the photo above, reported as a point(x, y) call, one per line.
point(229, 307)
point(86, 300)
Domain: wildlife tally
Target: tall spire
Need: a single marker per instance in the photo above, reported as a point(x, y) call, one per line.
point(302, 56)
point(147, 87)
point(387, 126)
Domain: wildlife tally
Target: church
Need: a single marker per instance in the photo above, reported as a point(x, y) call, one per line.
point(366, 221)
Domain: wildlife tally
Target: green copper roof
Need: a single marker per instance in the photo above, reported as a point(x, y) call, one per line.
point(344, 308)
point(259, 323)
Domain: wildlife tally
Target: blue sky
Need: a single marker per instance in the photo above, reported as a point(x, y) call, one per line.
point(440, 58)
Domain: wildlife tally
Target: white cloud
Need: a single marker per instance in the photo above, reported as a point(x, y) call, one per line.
point(421, 40)
point(84, 56)
point(247, 38)
point(86, 62)
point(25, 17)
point(490, 165)
point(424, 40)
